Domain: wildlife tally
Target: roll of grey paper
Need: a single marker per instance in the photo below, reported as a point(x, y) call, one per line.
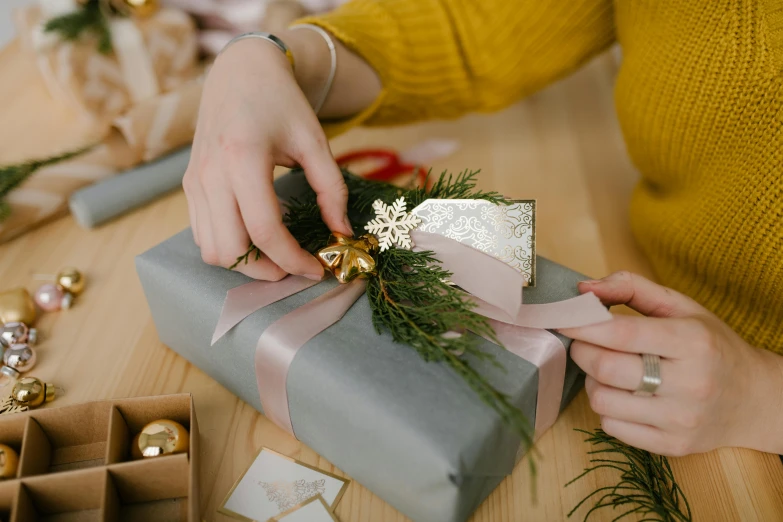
point(96, 204)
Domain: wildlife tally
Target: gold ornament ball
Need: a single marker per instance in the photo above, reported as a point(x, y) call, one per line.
point(9, 462)
point(161, 437)
point(32, 392)
point(17, 306)
point(71, 280)
point(140, 8)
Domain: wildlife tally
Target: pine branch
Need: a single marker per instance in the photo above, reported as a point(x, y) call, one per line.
point(646, 487)
point(88, 19)
point(411, 300)
point(447, 186)
point(12, 176)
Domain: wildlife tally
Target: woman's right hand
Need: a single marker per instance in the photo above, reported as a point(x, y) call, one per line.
point(254, 116)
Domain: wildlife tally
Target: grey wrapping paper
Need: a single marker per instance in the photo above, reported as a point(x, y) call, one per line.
point(94, 205)
point(410, 431)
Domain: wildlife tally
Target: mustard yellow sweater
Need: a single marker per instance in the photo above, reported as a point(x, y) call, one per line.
point(698, 96)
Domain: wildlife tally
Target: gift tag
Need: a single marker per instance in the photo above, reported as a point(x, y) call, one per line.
point(275, 484)
point(313, 510)
point(507, 232)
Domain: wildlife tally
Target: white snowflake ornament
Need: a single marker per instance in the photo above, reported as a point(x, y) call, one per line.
point(392, 224)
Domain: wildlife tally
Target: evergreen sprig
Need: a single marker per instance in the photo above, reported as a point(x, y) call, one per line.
point(12, 176)
point(87, 19)
point(646, 488)
point(411, 297)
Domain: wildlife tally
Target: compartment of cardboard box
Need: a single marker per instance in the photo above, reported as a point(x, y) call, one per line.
point(12, 428)
point(64, 439)
point(9, 490)
point(75, 496)
point(129, 416)
point(150, 489)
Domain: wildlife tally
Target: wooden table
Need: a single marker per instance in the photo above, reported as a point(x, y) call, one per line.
point(561, 146)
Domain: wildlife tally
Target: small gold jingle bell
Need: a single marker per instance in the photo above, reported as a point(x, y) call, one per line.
point(17, 306)
point(348, 258)
point(32, 392)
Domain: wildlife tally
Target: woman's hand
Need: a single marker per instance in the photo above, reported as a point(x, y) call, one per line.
point(716, 390)
point(254, 116)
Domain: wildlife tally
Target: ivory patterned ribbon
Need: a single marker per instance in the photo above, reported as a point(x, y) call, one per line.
point(494, 286)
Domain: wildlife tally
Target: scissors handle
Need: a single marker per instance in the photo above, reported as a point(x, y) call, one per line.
point(392, 167)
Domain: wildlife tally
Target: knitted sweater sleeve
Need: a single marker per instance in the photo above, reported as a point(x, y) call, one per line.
point(444, 58)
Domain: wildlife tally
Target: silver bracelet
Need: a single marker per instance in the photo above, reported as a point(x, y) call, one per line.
point(274, 40)
point(333, 54)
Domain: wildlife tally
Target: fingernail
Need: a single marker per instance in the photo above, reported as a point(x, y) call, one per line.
point(315, 277)
point(589, 282)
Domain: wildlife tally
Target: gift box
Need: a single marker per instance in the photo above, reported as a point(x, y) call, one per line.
point(141, 102)
point(75, 463)
point(410, 431)
point(150, 56)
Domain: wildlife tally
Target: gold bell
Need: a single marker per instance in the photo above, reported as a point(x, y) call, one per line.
point(348, 258)
point(32, 392)
point(17, 306)
point(71, 280)
point(161, 437)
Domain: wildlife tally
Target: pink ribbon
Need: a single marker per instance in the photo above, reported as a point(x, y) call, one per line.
point(542, 349)
point(494, 286)
point(479, 274)
point(246, 299)
point(279, 343)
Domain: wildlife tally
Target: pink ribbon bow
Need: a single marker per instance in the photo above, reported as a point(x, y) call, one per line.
point(493, 285)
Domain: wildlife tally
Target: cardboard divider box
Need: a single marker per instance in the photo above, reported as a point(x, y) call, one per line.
point(75, 464)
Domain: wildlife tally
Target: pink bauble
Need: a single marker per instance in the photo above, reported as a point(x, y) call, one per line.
point(49, 297)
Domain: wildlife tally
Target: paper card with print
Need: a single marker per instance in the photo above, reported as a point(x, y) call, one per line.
point(275, 484)
point(507, 232)
point(313, 510)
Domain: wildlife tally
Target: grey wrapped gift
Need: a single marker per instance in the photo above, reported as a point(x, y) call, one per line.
point(410, 431)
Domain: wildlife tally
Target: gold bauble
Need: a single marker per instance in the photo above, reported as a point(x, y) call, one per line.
point(17, 306)
point(32, 392)
point(161, 437)
point(139, 8)
point(348, 258)
point(71, 280)
point(9, 462)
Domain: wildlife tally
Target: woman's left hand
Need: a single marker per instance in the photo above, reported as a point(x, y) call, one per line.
point(716, 390)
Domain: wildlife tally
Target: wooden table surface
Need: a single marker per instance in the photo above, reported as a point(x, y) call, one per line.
point(561, 146)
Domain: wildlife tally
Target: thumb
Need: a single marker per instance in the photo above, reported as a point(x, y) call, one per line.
point(326, 179)
point(641, 294)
